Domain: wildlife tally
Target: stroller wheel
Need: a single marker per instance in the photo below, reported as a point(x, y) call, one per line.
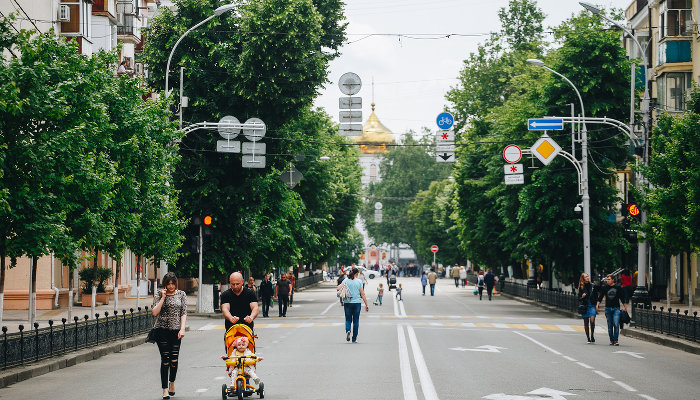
point(239, 389)
point(224, 390)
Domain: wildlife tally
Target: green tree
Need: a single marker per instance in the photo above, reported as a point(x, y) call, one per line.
point(405, 170)
point(265, 60)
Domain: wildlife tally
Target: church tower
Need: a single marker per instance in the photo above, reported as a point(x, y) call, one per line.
point(373, 144)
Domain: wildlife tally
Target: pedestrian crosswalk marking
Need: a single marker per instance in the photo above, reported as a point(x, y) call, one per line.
point(448, 324)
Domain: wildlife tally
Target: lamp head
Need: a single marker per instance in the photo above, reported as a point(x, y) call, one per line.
point(535, 62)
point(578, 208)
point(324, 158)
point(223, 9)
point(590, 7)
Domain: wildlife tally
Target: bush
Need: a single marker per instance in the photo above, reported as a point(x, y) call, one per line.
point(91, 275)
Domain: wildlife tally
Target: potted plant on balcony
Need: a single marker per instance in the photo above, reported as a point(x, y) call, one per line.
point(94, 277)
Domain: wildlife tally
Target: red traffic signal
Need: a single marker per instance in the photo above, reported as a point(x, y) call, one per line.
point(207, 220)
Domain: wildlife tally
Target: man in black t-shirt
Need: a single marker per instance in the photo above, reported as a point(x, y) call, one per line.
point(239, 305)
point(614, 296)
point(282, 290)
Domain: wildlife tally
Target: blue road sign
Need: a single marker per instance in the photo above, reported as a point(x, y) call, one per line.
point(445, 120)
point(545, 124)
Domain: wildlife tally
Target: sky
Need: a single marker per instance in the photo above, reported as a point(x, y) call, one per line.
point(408, 56)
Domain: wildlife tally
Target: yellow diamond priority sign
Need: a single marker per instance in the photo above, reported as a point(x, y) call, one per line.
point(545, 149)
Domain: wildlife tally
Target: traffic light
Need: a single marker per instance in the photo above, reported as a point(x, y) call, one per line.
point(633, 210)
point(207, 220)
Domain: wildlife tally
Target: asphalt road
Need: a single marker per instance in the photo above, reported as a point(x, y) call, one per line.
point(450, 346)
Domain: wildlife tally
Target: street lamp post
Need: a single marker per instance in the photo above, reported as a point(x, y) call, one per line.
point(585, 203)
point(640, 292)
point(217, 12)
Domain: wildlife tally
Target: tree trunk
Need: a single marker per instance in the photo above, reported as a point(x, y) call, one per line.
point(116, 285)
point(690, 285)
point(2, 283)
point(32, 294)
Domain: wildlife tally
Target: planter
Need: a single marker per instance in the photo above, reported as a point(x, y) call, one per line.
point(102, 298)
point(86, 300)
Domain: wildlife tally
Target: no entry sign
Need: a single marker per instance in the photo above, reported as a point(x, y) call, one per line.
point(434, 248)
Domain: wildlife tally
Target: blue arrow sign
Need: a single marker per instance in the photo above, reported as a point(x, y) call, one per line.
point(545, 124)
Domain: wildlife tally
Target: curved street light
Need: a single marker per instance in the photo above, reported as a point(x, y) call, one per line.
point(584, 172)
point(217, 12)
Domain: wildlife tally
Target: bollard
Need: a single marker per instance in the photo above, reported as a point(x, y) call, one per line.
point(36, 341)
point(50, 338)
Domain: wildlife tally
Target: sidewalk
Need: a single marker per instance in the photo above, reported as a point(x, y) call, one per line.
point(12, 319)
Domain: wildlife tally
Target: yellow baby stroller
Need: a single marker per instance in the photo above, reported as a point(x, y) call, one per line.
point(241, 384)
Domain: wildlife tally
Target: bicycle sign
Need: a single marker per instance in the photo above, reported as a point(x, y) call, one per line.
point(445, 120)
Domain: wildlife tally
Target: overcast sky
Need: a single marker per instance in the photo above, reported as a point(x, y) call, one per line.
point(412, 71)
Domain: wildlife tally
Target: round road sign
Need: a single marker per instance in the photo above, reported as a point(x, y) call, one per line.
point(377, 206)
point(512, 154)
point(350, 83)
point(256, 133)
point(445, 120)
point(434, 248)
point(226, 128)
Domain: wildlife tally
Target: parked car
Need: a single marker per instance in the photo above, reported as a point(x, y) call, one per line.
point(369, 273)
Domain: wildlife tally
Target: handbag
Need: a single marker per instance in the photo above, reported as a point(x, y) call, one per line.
point(625, 317)
point(342, 292)
point(153, 333)
point(582, 309)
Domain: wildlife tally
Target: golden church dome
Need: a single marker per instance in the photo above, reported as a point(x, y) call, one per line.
point(375, 136)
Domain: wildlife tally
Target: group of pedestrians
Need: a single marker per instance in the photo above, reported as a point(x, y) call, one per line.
point(591, 296)
point(282, 290)
point(487, 280)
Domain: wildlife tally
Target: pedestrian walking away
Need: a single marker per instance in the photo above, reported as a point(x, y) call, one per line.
point(424, 281)
point(170, 310)
point(626, 283)
point(490, 281)
point(239, 305)
point(480, 283)
point(463, 275)
point(454, 273)
point(353, 306)
point(614, 296)
point(380, 294)
point(398, 292)
point(266, 293)
point(432, 280)
point(282, 290)
point(586, 298)
point(292, 281)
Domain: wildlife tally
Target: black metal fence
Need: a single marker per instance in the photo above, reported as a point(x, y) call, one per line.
point(32, 345)
point(680, 325)
point(566, 301)
point(309, 280)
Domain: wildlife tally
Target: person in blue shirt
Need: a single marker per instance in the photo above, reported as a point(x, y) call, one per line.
point(353, 304)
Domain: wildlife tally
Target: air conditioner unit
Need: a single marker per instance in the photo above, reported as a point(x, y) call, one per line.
point(64, 13)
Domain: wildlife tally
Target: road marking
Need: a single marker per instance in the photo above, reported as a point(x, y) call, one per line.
point(400, 310)
point(566, 328)
point(201, 390)
point(328, 308)
point(631, 353)
point(625, 386)
point(403, 309)
point(426, 383)
point(603, 374)
point(487, 348)
point(646, 397)
point(533, 326)
point(468, 325)
point(570, 358)
point(584, 365)
point(409, 391)
point(396, 307)
point(538, 343)
point(505, 326)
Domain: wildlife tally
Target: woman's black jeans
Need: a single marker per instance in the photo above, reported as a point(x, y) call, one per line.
point(169, 348)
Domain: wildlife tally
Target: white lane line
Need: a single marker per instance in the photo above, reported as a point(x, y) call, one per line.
point(328, 308)
point(646, 397)
point(403, 310)
point(396, 307)
point(603, 374)
point(570, 358)
point(625, 386)
point(306, 325)
point(538, 343)
point(201, 390)
point(566, 328)
point(533, 327)
point(409, 391)
point(584, 365)
point(504, 326)
point(426, 382)
point(273, 326)
point(468, 325)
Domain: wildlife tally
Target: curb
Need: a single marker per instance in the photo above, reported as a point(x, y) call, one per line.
point(22, 373)
point(652, 337)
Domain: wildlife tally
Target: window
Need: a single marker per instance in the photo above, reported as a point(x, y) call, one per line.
point(672, 90)
point(675, 18)
point(372, 173)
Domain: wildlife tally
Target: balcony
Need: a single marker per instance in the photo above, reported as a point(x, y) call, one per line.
point(127, 31)
point(674, 51)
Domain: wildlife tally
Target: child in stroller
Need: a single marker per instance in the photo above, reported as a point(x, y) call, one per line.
point(240, 363)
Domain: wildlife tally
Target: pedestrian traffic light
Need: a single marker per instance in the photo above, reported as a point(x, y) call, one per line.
point(633, 210)
point(207, 220)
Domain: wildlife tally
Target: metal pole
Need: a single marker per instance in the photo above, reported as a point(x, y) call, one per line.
point(584, 180)
point(167, 67)
point(182, 78)
point(199, 277)
point(434, 265)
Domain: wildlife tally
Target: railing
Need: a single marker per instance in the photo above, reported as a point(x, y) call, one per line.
point(667, 322)
point(308, 280)
point(39, 344)
point(564, 300)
